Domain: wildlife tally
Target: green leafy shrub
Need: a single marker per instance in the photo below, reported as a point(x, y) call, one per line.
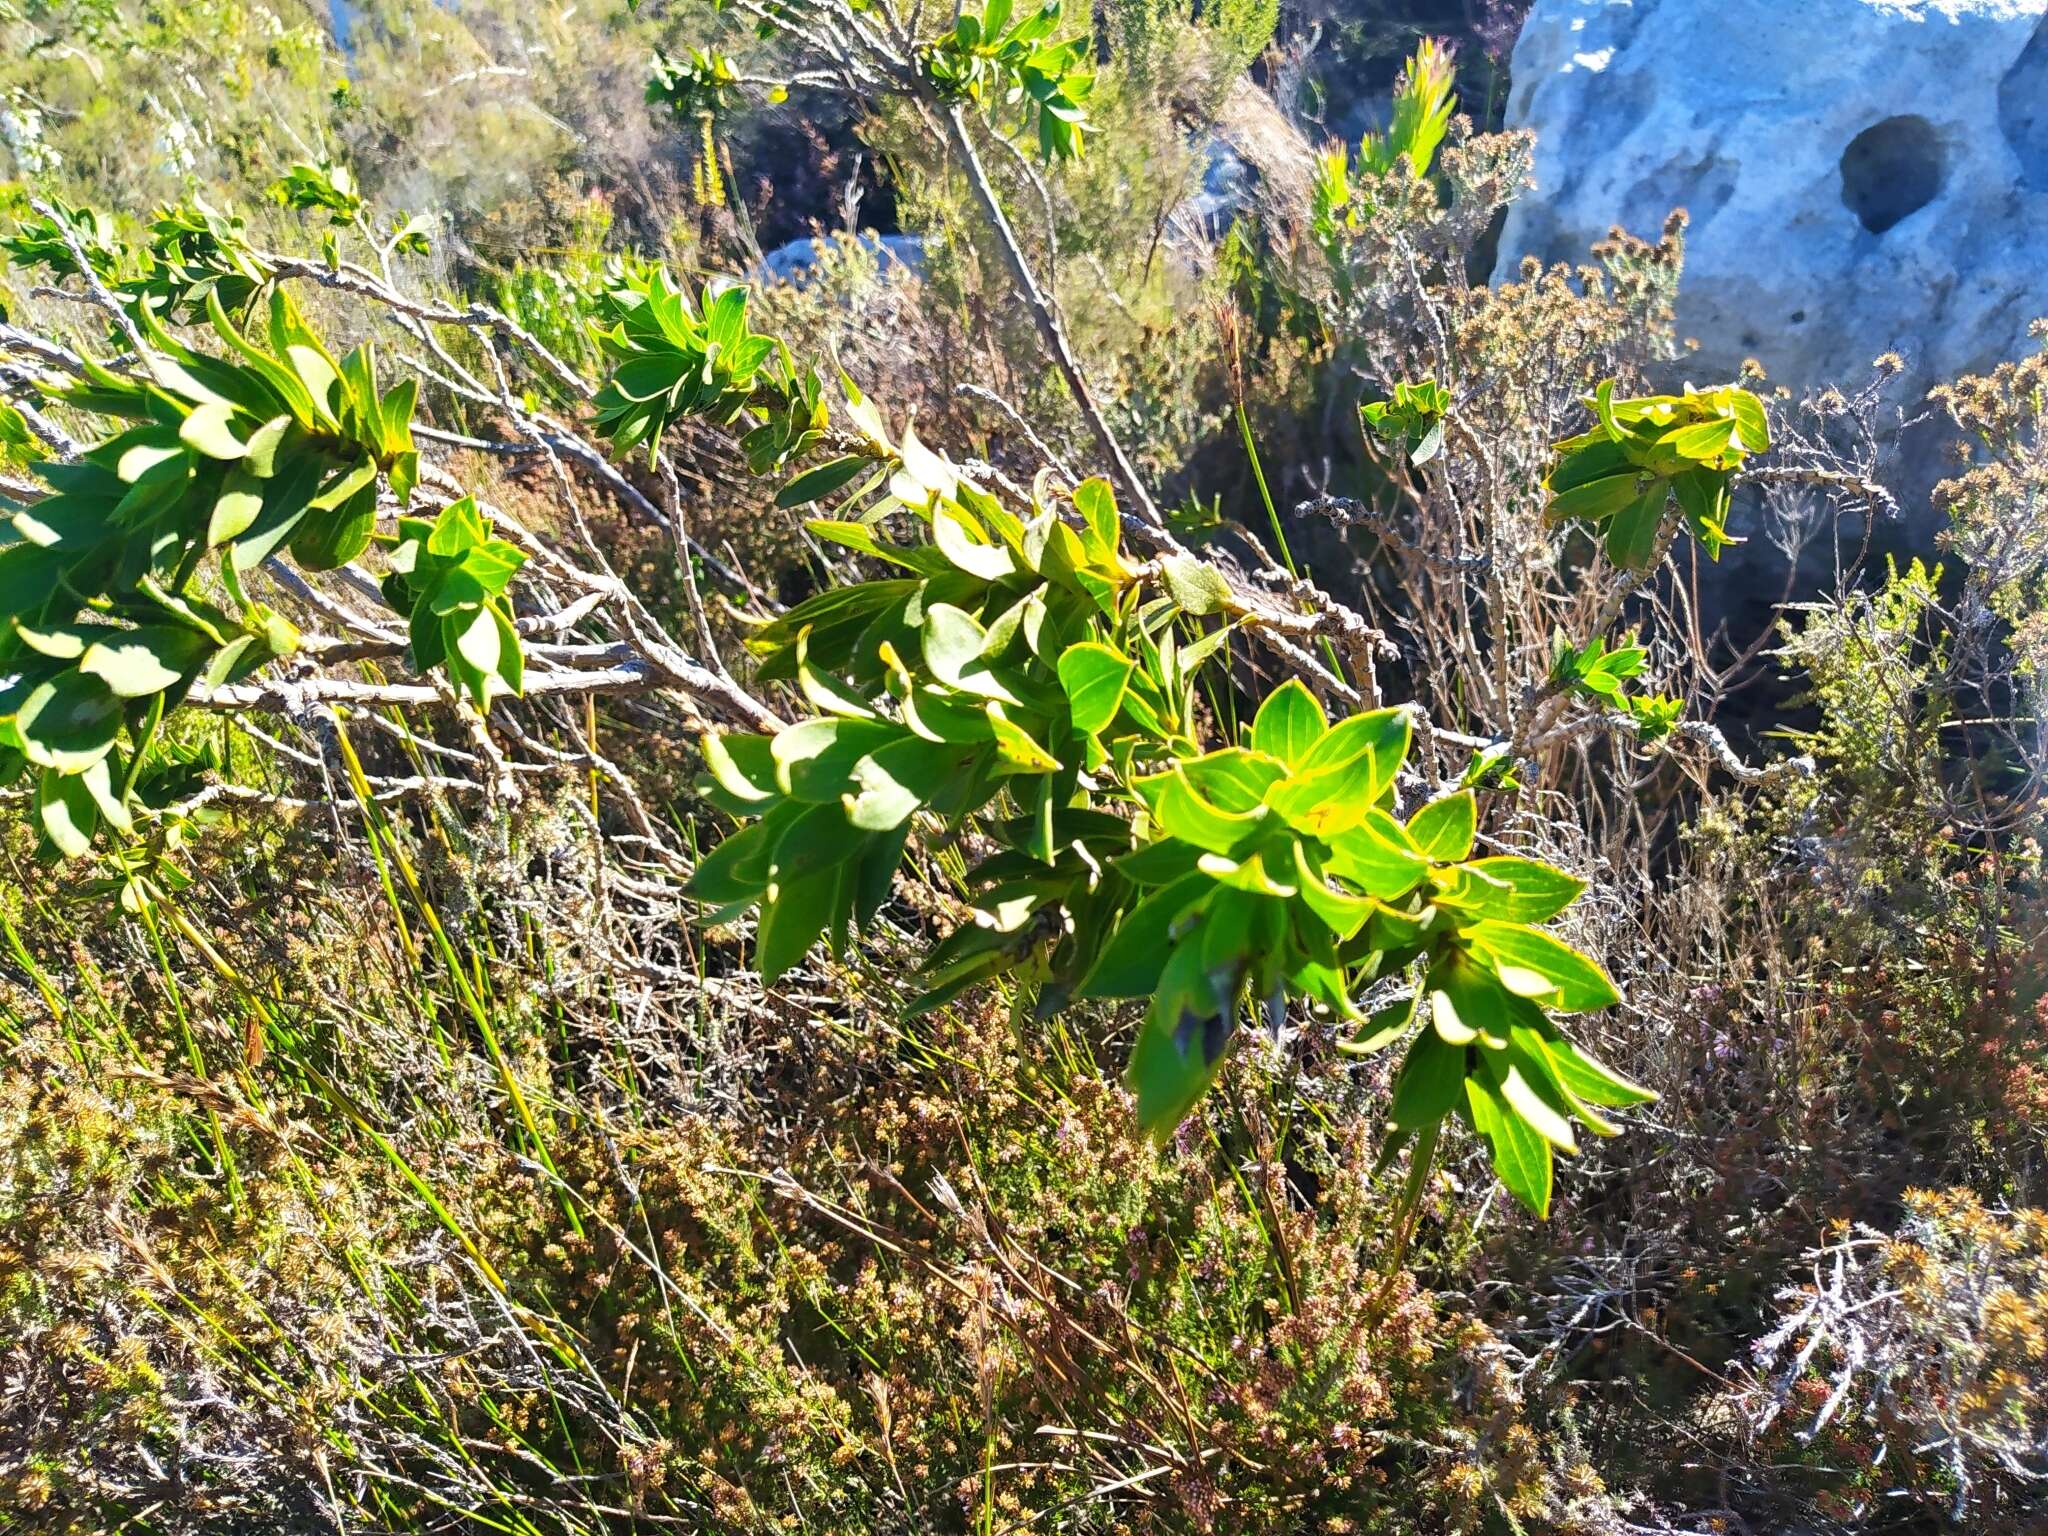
point(1021, 678)
point(233, 460)
point(672, 363)
point(1413, 419)
point(988, 57)
point(403, 1153)
point(1645, 454)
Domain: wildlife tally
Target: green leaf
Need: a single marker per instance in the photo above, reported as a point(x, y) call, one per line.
point(458, 529)
point(1249, 875)
point(824, 692)
point(1094, 676)
point(861, 538)
point(952, 644)
point(235, 660)
point(1016, 752)
point(742, 766)
point(1428, 1084)
point(1391, 928)
point(983, 561)
point(1703, 498)
point(454, 590)
point(924, 476)
point(1195, 586)
point(893, 782)
point(1131, 961)
point(60, 642)
point(511, 652)
point(477, 642)
point(935, 714)
point(65, 809)
point(875, 873)
point(285, 496)
point(1289, 723)
point(1180, 1046)
point(1340, 911)
point(817, 483)
point(1180, 812)
point(99, 784)
point(1524, 1089)
point(1345, 773)
point(1535, 965)
point(1521, 1158)
point(1603, 407)
point(68, 722)
point(1750, 425)
point(234, 509)
point(395, 418)
point(1586, 1077)
point(792, 917)
point(138, 662)
point(1467, 1003)
point(1444, 828)
point(1097, 504)
point(1583, 460)
point(329, 538)
point(814, 759)
point(208, 430)
point(738, 868)
point(1376, 856)
point(1597, 500)
point(1529, 1047)
point(1705, 442)
point(149, 458)
point(1510, 889)
point(493, 564)
point(1024, 617)
point(1159, 863)
point(818, 838)
point(1233, 779)
point(1632, 535)
point(836, 617)
point(316, 371)
point(1386, 1025)
point(968, 973)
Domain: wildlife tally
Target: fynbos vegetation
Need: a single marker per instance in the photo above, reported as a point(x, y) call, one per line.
point(1118, 863)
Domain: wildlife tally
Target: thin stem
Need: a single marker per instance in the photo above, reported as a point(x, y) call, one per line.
point(961, 141)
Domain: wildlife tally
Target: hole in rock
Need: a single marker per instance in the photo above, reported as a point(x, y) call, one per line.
point(1891, 169)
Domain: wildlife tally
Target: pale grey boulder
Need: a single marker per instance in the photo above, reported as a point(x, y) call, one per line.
point(1862, 175)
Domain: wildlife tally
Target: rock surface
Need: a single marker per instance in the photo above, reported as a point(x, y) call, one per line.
point(1862, 175)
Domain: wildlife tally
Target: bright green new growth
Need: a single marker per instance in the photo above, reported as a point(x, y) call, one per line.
point(1412, 420)
point(1341, 197)
point(673, 362)
point(985, 57)
point(1645, 453)
point(1423, 104)
point(450, 575)
point(324, 185)
point(192, 250)
point(1021, 679)
point(1594, 672)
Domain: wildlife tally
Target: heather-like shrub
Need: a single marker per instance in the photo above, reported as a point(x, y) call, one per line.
point(1915, 1357)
